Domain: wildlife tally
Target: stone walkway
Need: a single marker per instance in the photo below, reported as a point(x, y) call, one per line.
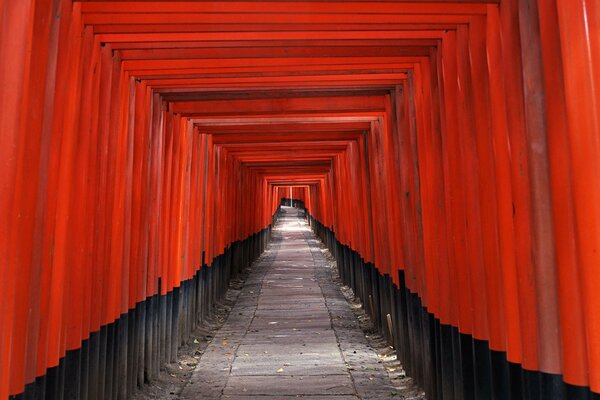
point(291, 332)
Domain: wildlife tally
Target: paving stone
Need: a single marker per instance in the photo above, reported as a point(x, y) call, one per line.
point(290, 385)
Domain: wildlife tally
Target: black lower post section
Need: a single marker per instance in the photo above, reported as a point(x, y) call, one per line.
point(447, 364)
point(123, 355)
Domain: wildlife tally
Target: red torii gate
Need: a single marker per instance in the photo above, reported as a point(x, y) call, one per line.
point(451, 151)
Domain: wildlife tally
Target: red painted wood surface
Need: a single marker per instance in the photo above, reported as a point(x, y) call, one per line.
point(457, 141)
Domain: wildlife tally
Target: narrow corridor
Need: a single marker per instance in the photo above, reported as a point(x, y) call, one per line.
point(446, 154)
point(291, 332)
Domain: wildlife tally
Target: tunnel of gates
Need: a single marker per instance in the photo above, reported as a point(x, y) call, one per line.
point(448, 153)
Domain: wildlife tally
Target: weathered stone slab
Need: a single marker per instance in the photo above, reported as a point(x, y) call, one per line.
point(277, 385)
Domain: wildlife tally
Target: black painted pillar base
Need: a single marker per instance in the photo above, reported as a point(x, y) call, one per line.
point(123, 355)
point(448, 364)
